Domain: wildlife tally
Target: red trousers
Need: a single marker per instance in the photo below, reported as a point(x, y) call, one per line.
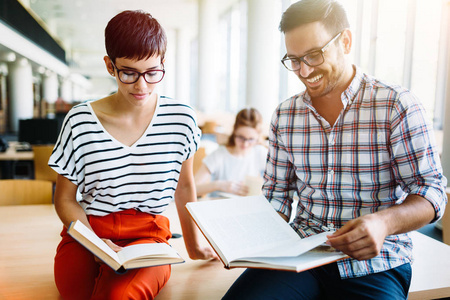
point(79, 276)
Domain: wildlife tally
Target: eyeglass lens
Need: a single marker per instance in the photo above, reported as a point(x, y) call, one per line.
point(128, 76)
point(244, 139)
point(313, 59)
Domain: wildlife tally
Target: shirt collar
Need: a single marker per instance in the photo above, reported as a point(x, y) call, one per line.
point(352, 90)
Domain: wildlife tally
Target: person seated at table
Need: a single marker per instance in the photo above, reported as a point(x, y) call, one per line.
point(242, 159)
point(129, 154)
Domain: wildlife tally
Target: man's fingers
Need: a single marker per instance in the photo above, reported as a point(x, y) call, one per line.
point(344, 243)
point(356, 243)
point(348, 233)
point(351, 238)
point(344, 229)
point(363, 253)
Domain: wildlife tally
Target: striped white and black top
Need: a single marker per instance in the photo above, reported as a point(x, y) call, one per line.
point(111, 176)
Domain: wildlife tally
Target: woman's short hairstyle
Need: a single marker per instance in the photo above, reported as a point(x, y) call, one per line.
point(134, 34)
point(330, 12)
point(249, 117)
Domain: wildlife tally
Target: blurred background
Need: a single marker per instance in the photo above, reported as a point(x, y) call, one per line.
point(223, 55)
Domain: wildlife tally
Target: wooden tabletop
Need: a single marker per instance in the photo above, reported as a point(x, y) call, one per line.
point(29, 235)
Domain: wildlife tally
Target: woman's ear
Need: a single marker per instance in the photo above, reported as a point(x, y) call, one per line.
point(109, 65)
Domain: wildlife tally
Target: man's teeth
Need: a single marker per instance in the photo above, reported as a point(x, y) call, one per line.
point(314, 79)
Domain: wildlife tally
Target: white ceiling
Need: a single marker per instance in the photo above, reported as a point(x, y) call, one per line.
point(79, 24)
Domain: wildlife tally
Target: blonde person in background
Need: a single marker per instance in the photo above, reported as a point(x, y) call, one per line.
point(235, 168)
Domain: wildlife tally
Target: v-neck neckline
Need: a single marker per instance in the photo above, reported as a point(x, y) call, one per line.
point(137, 142)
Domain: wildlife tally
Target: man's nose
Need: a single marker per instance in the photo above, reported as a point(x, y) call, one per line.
point(305, 70)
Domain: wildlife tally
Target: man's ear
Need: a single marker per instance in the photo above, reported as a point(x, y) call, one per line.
point(346, 40)
point(109, 65)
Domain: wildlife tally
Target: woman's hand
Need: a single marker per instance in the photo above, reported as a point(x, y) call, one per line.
point(113, 246)
point(204, 253)
point(233, 187)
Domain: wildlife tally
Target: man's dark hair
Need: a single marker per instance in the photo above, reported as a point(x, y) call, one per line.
point(134, 35)
point(330, 12)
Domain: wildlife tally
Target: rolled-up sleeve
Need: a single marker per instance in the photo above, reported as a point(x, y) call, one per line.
point(279, 176)
point(415, 159)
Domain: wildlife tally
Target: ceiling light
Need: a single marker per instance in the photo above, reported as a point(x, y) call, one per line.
point(22, 61)
point(41, 70)
point(8, 56)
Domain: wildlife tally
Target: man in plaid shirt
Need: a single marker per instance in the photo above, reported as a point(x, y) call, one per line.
point(361, 156)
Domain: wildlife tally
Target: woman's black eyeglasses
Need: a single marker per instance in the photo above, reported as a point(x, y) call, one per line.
point(131, 76)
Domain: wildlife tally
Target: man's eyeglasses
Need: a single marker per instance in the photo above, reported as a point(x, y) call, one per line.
point(130, 76)
point(312, 59)
point(243, 139)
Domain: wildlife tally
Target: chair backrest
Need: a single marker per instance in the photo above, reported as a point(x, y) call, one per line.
point(209, 127)
point(25, 191)
point(41, 169)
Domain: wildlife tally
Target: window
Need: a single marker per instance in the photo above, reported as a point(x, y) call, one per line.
point(424, 75)
point(232, 54)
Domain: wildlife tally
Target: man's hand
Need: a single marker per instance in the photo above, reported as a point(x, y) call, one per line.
point(360, 238)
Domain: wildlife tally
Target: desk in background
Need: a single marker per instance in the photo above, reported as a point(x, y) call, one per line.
point(11, 158)
point(12, 154)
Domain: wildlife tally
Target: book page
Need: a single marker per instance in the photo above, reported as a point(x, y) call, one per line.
point(295, 248)
point(95, 240)
point(308, 260)
point(147, 251)
point(243, 226)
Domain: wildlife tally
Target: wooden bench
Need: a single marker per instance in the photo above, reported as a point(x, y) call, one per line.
point(29, 235)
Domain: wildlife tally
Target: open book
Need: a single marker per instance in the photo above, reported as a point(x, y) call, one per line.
point(248, 232)
point(134, 256)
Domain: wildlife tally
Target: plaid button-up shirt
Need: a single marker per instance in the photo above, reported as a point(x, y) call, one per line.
point(380, 149)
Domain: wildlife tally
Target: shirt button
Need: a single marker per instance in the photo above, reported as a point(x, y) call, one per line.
point(331, 171)
point(332, 142)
